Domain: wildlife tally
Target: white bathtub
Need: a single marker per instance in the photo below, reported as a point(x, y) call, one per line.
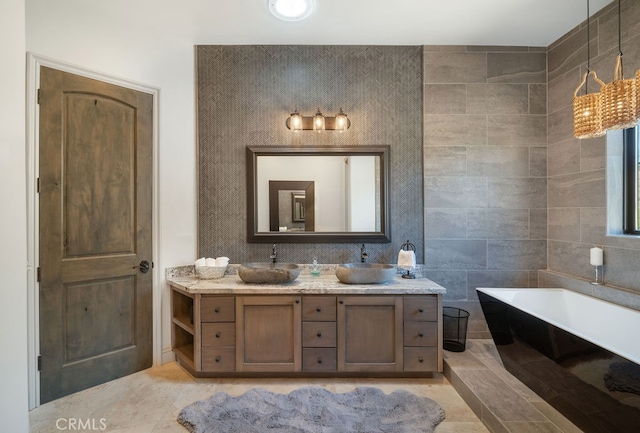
point(610, 326)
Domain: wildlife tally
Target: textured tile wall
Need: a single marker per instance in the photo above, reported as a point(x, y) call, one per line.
point(245, 94)
point(577, 175)
point(485, 168)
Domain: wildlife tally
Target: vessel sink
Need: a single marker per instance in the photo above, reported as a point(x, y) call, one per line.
point(365, 273)
point(268, 273)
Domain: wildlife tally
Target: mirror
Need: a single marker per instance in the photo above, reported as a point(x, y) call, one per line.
point(318, 194)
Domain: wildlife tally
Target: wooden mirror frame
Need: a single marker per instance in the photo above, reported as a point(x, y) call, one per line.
point(254, 236)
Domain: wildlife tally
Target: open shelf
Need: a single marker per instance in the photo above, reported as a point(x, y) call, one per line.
point(183, 322)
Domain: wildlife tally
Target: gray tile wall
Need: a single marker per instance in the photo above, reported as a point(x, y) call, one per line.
point(577, 176)
point(245, 94)
point(485, 168)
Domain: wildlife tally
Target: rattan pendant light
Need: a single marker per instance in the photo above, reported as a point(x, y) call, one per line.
point(619, 102)
point(587, 118)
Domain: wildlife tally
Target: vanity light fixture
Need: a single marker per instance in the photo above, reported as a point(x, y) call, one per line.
point(318, 122)
point(295, 121)
point(291, 10)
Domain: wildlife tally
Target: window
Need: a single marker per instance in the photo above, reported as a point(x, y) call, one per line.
point(631, 181)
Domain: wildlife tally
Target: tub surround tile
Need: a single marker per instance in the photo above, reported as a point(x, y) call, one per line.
point(445, 161)
point(593, 154)
point(455, 254)
point(517, 130)
point(592, 225)
point(496, 279)
point(516, 254)
point(455, 130)
point(564, 224)
point(497, 223)
point(445, 98)
point(517, 67)
point(498, 161)
point(538, 161)
point(455, 67)
point(538, 224)
point(561, 89)
point(445, 223)
point(454, 281)
point(577, 190)
point(518, 193)
point(560, 125)
point(455, 192)
point(564, 157)
point(497, 99)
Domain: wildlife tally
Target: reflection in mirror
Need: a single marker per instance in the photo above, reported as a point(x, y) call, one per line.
point(321, 194)
point(282, 206)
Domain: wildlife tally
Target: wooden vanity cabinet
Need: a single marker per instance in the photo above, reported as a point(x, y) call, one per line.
point(319, 334)
point(307, 335)
point(370, 333)
point(268, 333)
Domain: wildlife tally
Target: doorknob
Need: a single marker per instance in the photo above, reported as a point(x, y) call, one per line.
point(144, 266)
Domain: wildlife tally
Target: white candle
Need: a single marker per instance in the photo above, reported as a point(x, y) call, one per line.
point(596, 256)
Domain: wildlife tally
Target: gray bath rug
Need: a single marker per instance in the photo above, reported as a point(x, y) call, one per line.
point(313, 410)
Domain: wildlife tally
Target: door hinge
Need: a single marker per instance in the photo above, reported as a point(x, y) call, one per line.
point(38, 274)
point(39, 362)
point(38, 185)
point(39, 93)
point(153, 265)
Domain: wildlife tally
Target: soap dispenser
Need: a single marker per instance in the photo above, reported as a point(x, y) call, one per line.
point(315, 268)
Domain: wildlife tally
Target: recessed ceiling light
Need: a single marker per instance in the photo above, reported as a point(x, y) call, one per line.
point(291, 10)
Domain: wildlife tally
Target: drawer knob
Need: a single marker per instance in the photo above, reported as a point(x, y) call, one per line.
point(420, 334)
point(319, 360)
point(420, 359)
point(217, 310)
point(421, 310)
point(218, 334)
point(217, 358)
point(318, 309)
point(297, 301)
point(319, 334)
point(341, 301)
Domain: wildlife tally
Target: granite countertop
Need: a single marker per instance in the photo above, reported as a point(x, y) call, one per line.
point(326, 283)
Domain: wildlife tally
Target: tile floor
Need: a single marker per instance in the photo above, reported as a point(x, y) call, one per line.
point(149, 401)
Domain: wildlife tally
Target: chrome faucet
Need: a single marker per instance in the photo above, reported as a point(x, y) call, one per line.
point(363, 254)
point(274, 254)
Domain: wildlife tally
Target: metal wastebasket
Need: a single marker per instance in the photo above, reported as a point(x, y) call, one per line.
point(454, 329)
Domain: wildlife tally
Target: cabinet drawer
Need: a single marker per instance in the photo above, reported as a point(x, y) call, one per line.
point(218, 359)
point(319, 359)
point(421, 308)
point(420, 333)
point(218, 334)
point(319, 334)
point(217, 309)
point(420, 359)
point(319, 308)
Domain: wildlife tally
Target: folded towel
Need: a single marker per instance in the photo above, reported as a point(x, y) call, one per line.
point(201, 262)
point(210, 261)
point(222, 261)
point(406, 259)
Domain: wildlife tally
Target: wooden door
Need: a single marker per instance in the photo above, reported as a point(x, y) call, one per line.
point(370, 333)
point(95, 198)
point(268, 335)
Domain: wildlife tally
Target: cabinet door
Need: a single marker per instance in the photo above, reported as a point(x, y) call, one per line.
point(268, 333)
point(370, 333)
